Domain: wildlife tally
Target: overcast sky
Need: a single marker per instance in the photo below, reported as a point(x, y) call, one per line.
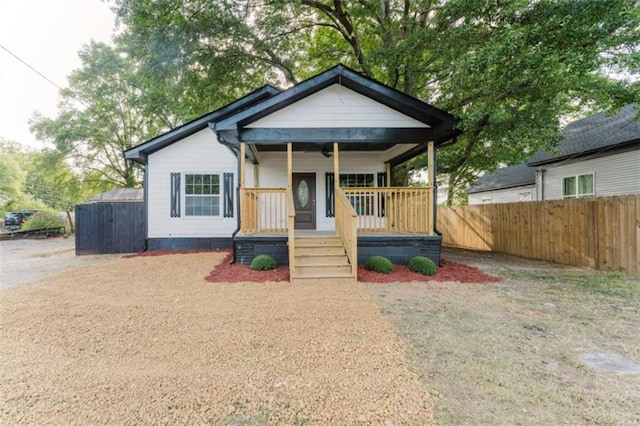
point(47, 34)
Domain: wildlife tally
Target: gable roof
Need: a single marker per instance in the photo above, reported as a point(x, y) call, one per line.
point(507, 177)
point(593, 134)
point(441, 125)
point(140, 152)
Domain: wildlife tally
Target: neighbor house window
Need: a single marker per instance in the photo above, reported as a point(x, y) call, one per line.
point(202, 194)
point(486, 200)
point(578, 186)
point(363, 204)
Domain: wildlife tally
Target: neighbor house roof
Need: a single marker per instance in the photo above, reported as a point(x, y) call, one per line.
point(139, 153)
point(119, 195)
point(507, 177)
point(594, 134)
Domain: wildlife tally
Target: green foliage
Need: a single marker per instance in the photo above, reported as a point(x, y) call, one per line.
point(264, 262)
point(379, 264)
point(510, 70)
point(11, 178)
point(44, 219)
point(101, 115)
point(422, 265)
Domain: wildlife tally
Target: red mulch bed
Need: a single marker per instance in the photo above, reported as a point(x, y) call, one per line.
point(449, 271)
point(234, 273)
point(226, 272)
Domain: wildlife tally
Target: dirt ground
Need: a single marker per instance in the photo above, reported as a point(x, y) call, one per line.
point(146, 340)
point(512, 352)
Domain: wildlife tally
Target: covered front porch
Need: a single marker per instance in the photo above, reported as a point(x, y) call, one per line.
point(397, 222)
point(319, 157)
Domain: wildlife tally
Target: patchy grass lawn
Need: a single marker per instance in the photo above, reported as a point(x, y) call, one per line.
point(510, 352)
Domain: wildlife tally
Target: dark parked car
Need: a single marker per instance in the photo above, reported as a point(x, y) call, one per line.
point(14, 220)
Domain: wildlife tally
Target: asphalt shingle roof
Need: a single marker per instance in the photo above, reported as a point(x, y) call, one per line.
point(581, 137)
point(594, 133)
point(507, 177)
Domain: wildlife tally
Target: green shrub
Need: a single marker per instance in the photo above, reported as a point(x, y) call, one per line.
point(264, 262)
point(379, 264)
point(422, 265)
point(42, 220)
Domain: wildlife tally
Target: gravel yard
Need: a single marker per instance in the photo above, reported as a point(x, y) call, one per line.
point(147, 340)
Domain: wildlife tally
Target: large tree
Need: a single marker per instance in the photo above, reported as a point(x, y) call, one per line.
point(509, 69)
point(101, 114)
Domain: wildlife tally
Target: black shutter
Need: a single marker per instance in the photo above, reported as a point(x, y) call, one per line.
point(175, 194)
point(329, 194)
point(382, 182)
point(228, 195)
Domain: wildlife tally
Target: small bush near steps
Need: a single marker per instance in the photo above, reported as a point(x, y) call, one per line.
point(422, 265)
point(379, 264)
point(264, 262)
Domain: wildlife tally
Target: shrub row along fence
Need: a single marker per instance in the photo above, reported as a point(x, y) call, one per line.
point(602, 233)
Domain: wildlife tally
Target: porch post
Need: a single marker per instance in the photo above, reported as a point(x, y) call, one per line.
point(388, 170)
point(289, 166)
point(336, 167)
point(431, 158)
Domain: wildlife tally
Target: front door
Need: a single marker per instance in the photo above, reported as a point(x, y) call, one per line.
point(304, 198)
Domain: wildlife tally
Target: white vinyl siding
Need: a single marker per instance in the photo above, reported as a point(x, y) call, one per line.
point(273, 173)
point(616, 174)
point(507, 195)
point(200, 153)
point(337, 106)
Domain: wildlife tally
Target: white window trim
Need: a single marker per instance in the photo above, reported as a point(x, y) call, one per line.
point(185, 195)
point(524, 196)
point(577, 179)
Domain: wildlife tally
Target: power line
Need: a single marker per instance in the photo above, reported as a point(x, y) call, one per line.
point(30, 67)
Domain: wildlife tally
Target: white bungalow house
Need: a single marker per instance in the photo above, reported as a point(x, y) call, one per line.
point(599, 156)
point(302, 175)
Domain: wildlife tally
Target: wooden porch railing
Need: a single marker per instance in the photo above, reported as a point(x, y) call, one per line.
point(291, 233)
point(393, 209)
point(263, 209)
point(347, 228)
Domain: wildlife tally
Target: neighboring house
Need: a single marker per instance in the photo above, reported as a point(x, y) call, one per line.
point(506, 185)
point(598, 156)
point(301, 174)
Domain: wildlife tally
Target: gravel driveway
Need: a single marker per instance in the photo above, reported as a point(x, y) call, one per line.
point(147, 340)
point(27, 259)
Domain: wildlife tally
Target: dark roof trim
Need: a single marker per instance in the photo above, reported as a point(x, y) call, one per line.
point(610, 148)
point(274, 136)
point(440, 121)
point(515, 185)
point(420, 149)
point(139, 153)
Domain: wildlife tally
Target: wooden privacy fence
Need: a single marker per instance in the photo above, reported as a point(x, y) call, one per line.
point(103, 228)
point(603, 233)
